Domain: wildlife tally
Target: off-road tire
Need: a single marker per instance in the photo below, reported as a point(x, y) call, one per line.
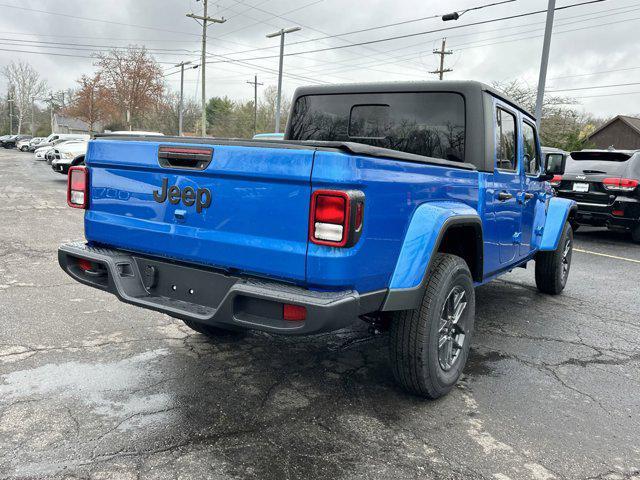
point(551, 276)
point(635, 234)
point(414, 335)
point(211, 331)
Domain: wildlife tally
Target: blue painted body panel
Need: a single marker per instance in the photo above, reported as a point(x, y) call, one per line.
point(257, 221)
point(557, 214)
point(393, 191)
point(421, 240)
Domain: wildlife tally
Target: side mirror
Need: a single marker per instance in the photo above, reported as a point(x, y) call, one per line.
point(553, 165)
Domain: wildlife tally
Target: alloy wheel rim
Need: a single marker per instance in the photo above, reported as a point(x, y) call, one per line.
point(452, 334)
point(566, 261)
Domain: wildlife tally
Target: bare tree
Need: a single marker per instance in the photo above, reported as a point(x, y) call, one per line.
point(133, 82)
point(561, 125)
point(88, 102)
point(27, 87)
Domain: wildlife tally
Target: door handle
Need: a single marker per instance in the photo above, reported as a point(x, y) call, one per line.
point(504, 196)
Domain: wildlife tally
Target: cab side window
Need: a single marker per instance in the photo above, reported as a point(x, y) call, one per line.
point(531, 154)
point(506, 158)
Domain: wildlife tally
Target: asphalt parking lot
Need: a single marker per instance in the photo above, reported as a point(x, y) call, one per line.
point(92, 388)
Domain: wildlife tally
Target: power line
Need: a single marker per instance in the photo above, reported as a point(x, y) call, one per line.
point(179, 50)
point(370, 29)
point(617, 22)
point(575, 89)
point(479, 43)
point(595, 73)
point(96, 20)
point(607, 95)
point(416, 34)
point(413, 55)
point(63, 55)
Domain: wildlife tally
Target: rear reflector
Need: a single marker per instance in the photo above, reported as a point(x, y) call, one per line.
point(294, 313)
point(620, 184)
point(78, 187)
point(85, 265)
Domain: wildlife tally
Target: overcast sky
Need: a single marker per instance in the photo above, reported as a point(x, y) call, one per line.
point(593, 45)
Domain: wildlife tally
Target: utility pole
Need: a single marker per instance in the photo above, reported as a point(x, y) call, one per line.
point(281, 34)
point(255, 102)
point(205, 19)
point(50, 99)
point(181, 108)
point(546, 47)
point(33, 129)
point(10, 101)
point(442, 53)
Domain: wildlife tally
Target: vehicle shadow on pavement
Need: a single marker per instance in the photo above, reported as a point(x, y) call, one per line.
point(170, 401)
point(598, 235)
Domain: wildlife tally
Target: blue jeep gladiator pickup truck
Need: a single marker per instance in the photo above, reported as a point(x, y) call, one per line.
point(384, 202)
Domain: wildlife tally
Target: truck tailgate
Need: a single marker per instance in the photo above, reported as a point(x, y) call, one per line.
point(256, 220)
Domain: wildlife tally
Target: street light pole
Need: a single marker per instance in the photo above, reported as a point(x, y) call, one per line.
point(204, 18)
point(546, 47)
point(281, 34)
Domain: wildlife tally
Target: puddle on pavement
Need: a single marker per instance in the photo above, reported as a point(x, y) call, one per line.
point(112, 388)
point(481, 364)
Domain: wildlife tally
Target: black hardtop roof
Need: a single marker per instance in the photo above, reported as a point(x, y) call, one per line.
point(464, 87)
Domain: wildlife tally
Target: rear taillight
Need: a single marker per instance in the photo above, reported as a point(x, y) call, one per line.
point(556, 180)
point(78, 187)
point(620, 184)
point(336, 217)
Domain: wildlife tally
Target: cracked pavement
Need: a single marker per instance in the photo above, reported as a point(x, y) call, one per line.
point(92, 388)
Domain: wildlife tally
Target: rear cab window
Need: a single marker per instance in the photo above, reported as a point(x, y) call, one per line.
point(431, 124)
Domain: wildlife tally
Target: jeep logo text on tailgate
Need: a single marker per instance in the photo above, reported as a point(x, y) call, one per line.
point(201, 197)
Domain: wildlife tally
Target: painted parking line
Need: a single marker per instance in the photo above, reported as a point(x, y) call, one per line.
point(606, 255)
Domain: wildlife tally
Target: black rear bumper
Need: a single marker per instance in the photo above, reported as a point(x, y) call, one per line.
point(213, 297)
point(623, 213)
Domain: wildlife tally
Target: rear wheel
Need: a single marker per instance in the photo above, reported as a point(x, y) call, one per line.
point(552, 268)
point(429, 346)
point(211, 331)
point(635, 234)
point(23, 148)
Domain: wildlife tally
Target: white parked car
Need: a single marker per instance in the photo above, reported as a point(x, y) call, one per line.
point(34, 143)
point(23, 144)
point(41, 152)
point(66, 155)
point(61, 137)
